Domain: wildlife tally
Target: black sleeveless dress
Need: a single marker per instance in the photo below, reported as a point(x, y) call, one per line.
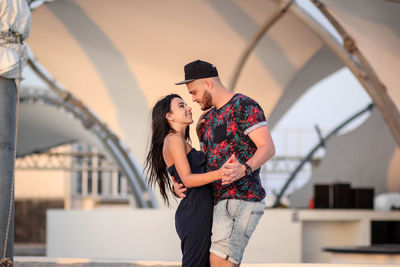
point(193, 217)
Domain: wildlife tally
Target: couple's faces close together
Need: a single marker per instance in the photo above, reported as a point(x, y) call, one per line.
point(181, 112)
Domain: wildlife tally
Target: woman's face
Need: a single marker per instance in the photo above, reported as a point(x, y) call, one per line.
point(180, 112)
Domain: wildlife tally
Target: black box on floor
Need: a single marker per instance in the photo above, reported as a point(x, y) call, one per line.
point(321, 196)
point(385, 232)
point(341, 196)
point(363, 198)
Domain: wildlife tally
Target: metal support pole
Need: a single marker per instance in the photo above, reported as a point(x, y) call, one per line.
point(254, 41)
point(352, 58)
point(8, 105)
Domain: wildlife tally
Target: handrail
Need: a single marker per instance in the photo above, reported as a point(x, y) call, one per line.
point(309, 156)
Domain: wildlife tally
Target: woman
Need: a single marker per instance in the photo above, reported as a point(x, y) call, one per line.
point(170, 151)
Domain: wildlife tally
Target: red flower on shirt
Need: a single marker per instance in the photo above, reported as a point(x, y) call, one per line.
point(251, 119)
point(255, 111)
point(232, 128)
point(232, 192)
point(250, 195)
point(216, 151)
point(222, 145)
point(208, 133)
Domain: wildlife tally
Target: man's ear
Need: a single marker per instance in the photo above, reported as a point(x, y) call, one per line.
point(209, 83)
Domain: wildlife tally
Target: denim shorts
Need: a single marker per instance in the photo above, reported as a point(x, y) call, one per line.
point(233, 224)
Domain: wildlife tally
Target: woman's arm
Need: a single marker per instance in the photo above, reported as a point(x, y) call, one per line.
point(174, 146)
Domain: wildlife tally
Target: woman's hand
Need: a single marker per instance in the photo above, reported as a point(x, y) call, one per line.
point(232, 170)
point(179, 189)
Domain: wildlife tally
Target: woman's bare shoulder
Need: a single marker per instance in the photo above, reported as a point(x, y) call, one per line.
point(173, 139)
point(174, 144)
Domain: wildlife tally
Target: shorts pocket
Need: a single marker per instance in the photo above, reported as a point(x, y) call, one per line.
point(231, 208)
point(254, 218)
point(222, 223)
point(222, 229)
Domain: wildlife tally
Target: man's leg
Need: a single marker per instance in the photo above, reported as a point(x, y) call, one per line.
point(223, 225)
point(216, 261)
point(234, 223)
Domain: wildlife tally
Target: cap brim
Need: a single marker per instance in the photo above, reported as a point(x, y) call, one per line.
point(185, 81)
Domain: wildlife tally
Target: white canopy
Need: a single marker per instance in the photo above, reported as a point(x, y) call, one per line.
point(119, 57)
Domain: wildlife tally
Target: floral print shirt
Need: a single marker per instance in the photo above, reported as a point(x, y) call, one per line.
point(225, 132)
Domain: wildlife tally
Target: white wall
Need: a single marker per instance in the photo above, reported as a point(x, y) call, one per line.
point(151, 235)
point(282, 235)
point(130, 234)
point(40, 184)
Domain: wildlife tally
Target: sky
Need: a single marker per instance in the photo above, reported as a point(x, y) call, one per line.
point(336, 98)
point(326, 104)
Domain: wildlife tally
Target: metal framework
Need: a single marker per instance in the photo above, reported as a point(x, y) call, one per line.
point(62, 161)
point(253, 43)
point(348, 53)
point(353, 58)
point(310, 155)
point(285, 164)
point(143, 196)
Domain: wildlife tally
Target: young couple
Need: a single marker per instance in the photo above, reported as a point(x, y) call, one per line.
point(224, 195)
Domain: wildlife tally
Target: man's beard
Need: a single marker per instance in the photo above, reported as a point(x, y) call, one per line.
point(206, 102)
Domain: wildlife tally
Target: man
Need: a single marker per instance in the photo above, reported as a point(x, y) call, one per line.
point(235, 124)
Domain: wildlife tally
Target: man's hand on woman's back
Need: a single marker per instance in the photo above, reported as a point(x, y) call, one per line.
point(179, 189)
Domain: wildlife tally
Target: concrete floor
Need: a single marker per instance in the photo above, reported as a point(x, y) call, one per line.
point(75, 262)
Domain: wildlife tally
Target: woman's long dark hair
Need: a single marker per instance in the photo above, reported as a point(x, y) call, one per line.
point(155, 167)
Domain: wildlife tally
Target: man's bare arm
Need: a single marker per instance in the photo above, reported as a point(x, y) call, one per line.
point(265, 150)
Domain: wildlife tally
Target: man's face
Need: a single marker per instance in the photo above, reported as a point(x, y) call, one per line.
point(200, 94)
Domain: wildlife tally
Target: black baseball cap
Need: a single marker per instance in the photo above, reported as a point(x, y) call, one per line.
point(198, 69)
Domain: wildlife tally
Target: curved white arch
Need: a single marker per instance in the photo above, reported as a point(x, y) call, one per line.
point(64, 100)
point(347, 52)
